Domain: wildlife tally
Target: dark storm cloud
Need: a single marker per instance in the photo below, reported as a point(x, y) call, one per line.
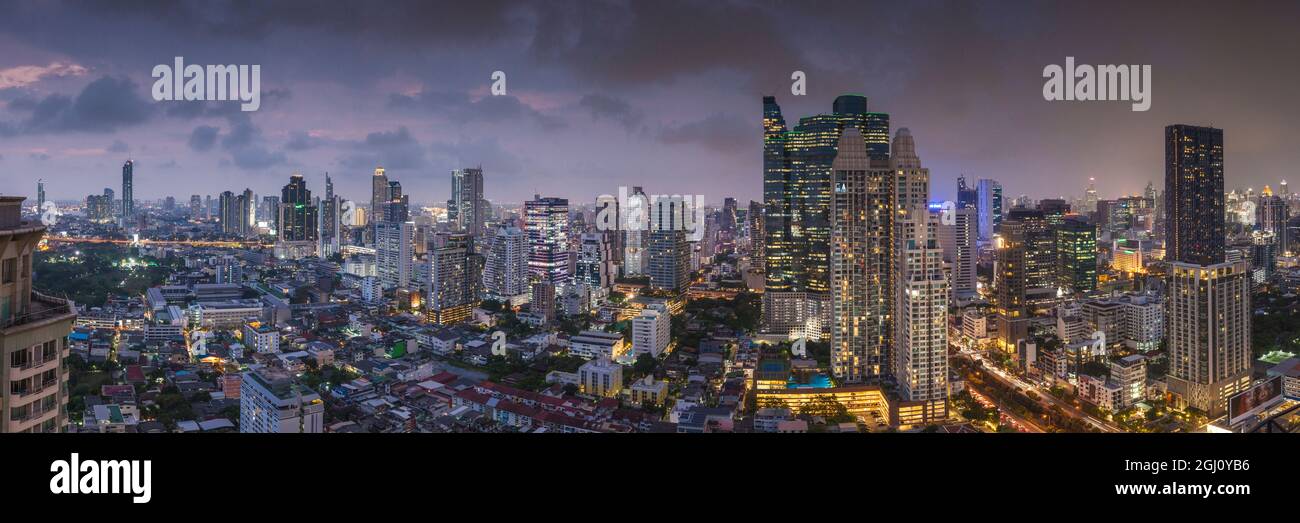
point(603, 107)
point(203, 137)
point(461, 108)
point(484, 152)
point(301, 141)
point(725, 133)
point(104, 105)
point(685, 75)
point(257, 157)
point(393, 150)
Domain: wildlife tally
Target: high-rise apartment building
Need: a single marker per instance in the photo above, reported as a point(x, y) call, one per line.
point(34, 332)
point(271, 402)
point(505, 275)
point(958, 240)
point(394, 253)
point(920, 351)
point(1208, 333)
point(862, 212)
point(668, 252)
point(455, 279)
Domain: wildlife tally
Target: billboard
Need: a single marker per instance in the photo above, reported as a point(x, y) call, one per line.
point(1254, 400)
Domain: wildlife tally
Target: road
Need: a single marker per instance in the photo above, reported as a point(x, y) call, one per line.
point(1017, 422)
point(1045, 398)
point(186, 243)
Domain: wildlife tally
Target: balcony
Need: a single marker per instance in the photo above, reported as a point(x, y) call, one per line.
point(41, 308)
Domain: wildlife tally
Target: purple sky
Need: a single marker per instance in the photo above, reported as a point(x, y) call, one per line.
point(661, 94)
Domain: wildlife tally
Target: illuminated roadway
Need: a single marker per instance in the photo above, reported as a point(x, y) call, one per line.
point(1043, 397)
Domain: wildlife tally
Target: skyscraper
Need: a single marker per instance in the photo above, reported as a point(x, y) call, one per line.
point(1009, 281)
point(1272, 215)
point(298, 216)
point(34, 331)
point(455, 279)
point(920, 349)
point(393, 253)
point(546, 222)
point(1209, 332)
point(467, 209)
point(856, 348)
point(1076, 251)
point(1194, 206)
point(595, 264)
point(668, 251)
point(797, 196)
point(378, 192)
point(228, 208)
point(1040, 248)
point(505, 276)
point(959, 250)
point(128, 192)
point(40, 196)
point(967, 196)
point(990, 208)
point(330, 223)
point(634, 239)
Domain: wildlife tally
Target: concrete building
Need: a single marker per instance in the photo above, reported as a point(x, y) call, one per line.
point(600, 377)
point(270, 402)
point(921, 331)
point(595, 344)
point(393, 253)
point(1208, 311)
point(261, 337)
point(34, 332)
point(652, 330)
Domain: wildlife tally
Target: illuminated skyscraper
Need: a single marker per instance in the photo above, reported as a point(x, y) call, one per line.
point(455, 279)
point(1009, 283)
point(1209, 333)
point(1194, 203)
point(1076, 250)
point(920, 349)
point(797, 196)
point(546, 222)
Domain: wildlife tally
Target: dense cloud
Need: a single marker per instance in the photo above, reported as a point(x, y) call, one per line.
point(608, 93)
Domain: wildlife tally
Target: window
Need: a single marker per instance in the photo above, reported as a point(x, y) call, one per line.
point(10, 270)
point(19, 358)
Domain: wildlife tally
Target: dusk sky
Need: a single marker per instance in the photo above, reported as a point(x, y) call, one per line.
point(666, 95)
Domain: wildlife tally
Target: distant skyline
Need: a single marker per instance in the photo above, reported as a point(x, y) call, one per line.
point(665, 95)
